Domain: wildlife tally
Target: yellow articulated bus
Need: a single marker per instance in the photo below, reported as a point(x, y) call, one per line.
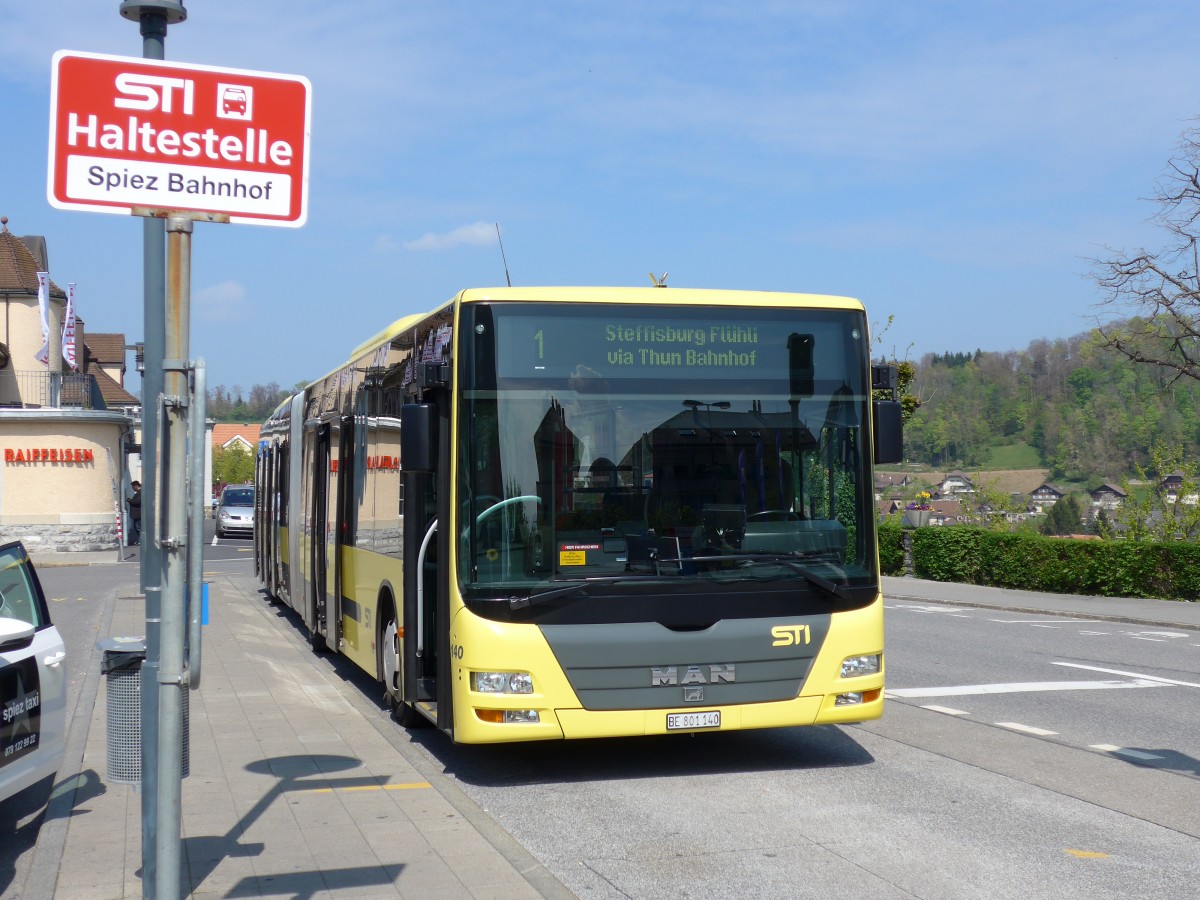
point(544, 513)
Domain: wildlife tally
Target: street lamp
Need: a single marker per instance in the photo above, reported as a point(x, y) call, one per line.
point(139, 356)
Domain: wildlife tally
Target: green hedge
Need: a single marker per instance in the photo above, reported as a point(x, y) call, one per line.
point(891, 549)
point(1056, 565)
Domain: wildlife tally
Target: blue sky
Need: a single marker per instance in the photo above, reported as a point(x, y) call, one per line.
point(952, 164)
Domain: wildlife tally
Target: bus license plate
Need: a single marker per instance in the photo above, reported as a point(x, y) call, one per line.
point(710, 719)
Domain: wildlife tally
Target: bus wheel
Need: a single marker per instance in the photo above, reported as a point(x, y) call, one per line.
point(389, 662)
point(389, 668)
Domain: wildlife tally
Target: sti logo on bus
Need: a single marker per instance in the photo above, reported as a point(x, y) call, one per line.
point(693, 674)
point(790, 635)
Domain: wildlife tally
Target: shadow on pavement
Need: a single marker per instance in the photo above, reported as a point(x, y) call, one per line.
point(203, 853)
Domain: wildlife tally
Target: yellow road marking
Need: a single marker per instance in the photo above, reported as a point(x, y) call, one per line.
point(369, 787)
point(1087, 854)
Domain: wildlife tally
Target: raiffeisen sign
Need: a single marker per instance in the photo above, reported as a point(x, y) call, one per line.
point(128, 133)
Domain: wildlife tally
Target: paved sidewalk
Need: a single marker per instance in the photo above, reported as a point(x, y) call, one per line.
point(300, 787)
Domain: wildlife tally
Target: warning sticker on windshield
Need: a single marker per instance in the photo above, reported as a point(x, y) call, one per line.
point(575, 554)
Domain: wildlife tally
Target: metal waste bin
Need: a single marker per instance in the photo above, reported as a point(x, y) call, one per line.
point(123, 671)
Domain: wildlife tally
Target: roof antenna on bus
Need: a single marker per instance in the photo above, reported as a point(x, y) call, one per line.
point(502, 256)
point(659, 282)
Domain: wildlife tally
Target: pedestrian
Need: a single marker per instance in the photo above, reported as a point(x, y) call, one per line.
point(135, 515)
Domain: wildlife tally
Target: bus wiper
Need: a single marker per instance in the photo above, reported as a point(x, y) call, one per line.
point(540, 597)
point(830, 587)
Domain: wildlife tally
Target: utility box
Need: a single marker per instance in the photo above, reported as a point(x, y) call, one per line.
point(122, 668)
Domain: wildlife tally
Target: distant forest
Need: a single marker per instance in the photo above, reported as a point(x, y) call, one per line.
point(1084, 412)
point(246, 408)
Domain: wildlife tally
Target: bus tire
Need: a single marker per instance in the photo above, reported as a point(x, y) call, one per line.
point(388, 659)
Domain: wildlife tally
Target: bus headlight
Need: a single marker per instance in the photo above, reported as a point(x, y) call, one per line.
point(502, 682)
point(853, 666)
point(509, 716)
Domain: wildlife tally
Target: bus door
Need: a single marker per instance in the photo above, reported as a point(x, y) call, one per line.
point(260, 481)
point(345, 511)
point(424, 459)
point(324, 623)
point(279, 506)
point(264, 524)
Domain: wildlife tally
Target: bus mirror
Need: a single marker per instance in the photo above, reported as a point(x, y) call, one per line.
point(800, 365)
point(889, 431)
point(418, 430)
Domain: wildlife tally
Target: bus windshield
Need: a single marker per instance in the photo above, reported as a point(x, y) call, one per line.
point(721, 449)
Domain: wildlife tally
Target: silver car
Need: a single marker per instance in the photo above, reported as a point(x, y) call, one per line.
point(33, 678)
point(235, 511)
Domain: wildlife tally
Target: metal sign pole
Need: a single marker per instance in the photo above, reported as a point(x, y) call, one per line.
point(153, 17)
point(173, 519)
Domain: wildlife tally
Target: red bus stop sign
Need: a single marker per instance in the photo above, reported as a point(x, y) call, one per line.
point(128, 132)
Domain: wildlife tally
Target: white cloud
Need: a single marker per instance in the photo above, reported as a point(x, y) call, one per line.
point(384, 243)
point(479, 234)
point(224, 302)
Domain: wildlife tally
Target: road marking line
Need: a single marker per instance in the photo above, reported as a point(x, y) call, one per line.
point(1094, 632)
point(1160, 634)
point(1128, 674)
point(1036, 621)
point(1028, 729)
point(1087, 854)
point(1030, 687)
point(946, 709)
point(1136, 754)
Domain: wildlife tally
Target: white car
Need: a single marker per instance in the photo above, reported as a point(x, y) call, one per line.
point(235, 512)
point(33, 678)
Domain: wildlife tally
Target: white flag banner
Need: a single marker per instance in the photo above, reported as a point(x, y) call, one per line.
point(68, 336)
point(43, 355)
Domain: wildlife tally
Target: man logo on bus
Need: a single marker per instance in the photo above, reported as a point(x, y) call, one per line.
point(790, 635)
point(669, 675)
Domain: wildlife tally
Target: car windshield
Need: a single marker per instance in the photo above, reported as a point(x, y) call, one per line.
point(18, 597)
point(688, 444)
point(238, 497)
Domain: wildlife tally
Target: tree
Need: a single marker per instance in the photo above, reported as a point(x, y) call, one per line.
point(1064, 517)
point(1157, 294)
point(232, 465)
point(989, 506)
point(906, 373)
point(1162, 514)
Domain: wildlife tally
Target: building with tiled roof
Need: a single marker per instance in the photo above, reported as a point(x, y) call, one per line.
point(63, 467)
point(107, 352)
point(112, 393)
point(225, 435)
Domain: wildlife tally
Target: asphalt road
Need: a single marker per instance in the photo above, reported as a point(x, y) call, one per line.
point(1020, 756)
point(1000, 769)
point(81, 602)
